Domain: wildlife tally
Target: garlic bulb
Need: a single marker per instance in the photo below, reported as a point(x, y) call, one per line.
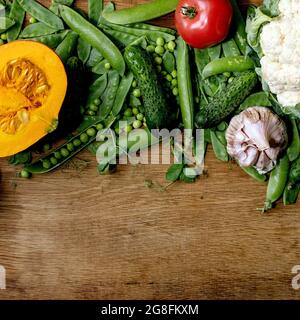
point(255, 138)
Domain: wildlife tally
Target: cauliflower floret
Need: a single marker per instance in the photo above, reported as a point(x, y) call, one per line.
point(281, 61)
point(289, 98)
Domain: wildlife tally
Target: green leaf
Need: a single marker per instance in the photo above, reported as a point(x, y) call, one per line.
point(174, 172)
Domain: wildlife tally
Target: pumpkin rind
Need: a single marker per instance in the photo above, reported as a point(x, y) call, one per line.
point(33, 85)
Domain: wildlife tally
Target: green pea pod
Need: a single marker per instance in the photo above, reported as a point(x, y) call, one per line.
point(221, 137)
point(293, 151)
point(95, 8)
point(66, 48)
point(122, 93)
point(142, 12)
point(151, 35)
point(109, 95)
point(184, 84)
point(100, 67)
point(240, 35)
point(169, 61)
point(94, 58)
point(214, 52)
point(83, 50)
point(65, 2)
point(201, 59)
point(294, 176)
point(94, 37)
point(290, 194)
point(230, 49)
point(63, 153)
point(5, 23)
point(207, 137)
point(97, 88)
point(42, 14)
point(229, 64)
point(52, 40)
point(17, 13)
point(277, 182)
point(141, 42)
point(54, 8)
point(146, 26)
point(125, 39)
point(252, 172)
point(38, 29)
point(218, 147)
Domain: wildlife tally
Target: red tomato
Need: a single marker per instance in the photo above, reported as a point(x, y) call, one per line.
point(203, 23)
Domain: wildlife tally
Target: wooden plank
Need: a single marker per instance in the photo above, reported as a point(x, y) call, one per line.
point(72, 234)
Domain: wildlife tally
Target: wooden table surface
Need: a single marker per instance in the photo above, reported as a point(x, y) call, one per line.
point(78, 235)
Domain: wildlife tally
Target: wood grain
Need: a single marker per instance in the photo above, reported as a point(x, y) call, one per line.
point(78, 235)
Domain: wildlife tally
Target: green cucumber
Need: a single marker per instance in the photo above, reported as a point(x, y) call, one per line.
point(156, 108)
point(226, 100)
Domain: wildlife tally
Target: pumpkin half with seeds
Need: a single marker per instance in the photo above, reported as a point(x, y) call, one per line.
point(33, 85)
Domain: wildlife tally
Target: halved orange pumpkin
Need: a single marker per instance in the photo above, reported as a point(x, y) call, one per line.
point(33, 85)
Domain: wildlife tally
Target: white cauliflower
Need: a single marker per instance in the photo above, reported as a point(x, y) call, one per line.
point(280, 44)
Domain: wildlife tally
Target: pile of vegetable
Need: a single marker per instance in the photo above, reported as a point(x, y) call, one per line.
point(114, 67)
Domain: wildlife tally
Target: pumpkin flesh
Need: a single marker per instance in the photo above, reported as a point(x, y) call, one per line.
point(33, 85)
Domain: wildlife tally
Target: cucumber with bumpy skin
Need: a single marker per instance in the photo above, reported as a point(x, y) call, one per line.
point(156, 108)
point(226, 101)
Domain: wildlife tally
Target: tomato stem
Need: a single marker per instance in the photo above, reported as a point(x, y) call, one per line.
point(189, 12)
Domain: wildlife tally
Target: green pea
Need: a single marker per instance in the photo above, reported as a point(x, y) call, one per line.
point(164, 73)
point(32, 20)
point(166, 47)
point(227, 74)
point(46, 147)
point(1, 42)
point(4, 36)
point(128, 129)
point(107, 66)
point(169, 77)
point(97, 102)
point(99, 126)
point(197, 99)
point(117, 131)
point(137, 93)
point(159, 50)
point(70, 147)
point(46, 164)
point(158, 60)
point(128, 112)
point(57, 155)
point(140, 117)
point(174, 73)
point(171, 46)
point(64, 152)
point(25, 174)
point(230, 79)
point(150, 48)
point(93, 107)
point(134, 84)
point(135, 111)
point(137, 124)
point(160, 41)
point(91, 113)
point(174, 82)
point(76, 143)
point(84, 138)
point(91, 132)
point(53, 160)
point(175, 91)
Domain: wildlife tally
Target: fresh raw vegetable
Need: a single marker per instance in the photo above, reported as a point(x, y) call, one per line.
point(293, 151)
point(67, 46)
point(203, 23)
point(94, 37)
point(228, 64)
point(32, 99)
point(252, 172)
point(226, 101)
point(272, 32)
point(142, 12)
point(277, 182)
point(256, 137)
point(157, 110)
point(36, 30)
point(184, 84)
point(17, 13)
